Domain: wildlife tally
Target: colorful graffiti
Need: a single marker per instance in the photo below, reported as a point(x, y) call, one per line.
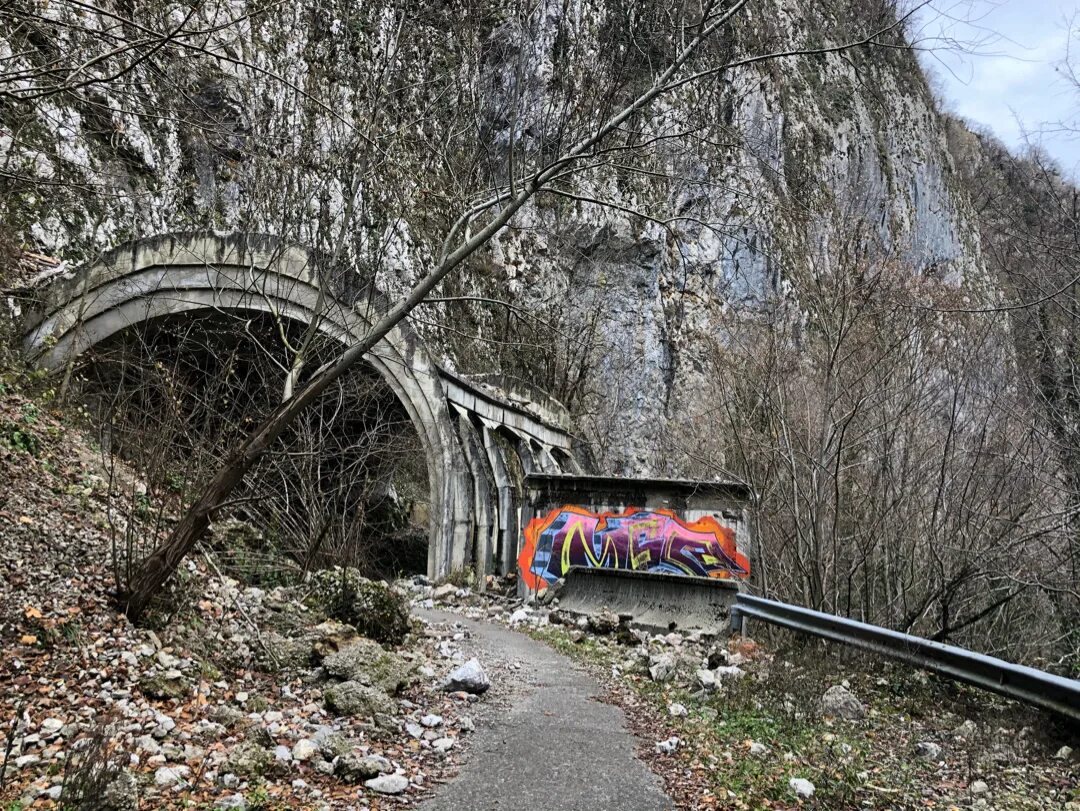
point(644, 540)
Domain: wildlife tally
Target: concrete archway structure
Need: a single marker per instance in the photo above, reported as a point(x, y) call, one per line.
point(469, 431)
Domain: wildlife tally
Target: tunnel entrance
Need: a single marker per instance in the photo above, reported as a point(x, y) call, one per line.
point(347, 484)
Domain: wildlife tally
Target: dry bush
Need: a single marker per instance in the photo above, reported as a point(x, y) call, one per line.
point(902, 476)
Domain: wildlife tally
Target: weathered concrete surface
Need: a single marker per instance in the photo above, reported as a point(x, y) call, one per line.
point(543, 741)
point(657, 602)
point(175, 274)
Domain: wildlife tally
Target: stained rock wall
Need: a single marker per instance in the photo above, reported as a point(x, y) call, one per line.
point(360, 130)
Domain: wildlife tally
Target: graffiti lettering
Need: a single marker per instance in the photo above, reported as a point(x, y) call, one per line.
point(645, 540)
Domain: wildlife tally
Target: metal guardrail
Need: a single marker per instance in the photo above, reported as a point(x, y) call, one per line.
point(1055, 693)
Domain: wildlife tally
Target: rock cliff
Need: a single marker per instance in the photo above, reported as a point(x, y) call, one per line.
point(361, 129)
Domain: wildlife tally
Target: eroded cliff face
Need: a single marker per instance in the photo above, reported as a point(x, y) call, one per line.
point(362, 130)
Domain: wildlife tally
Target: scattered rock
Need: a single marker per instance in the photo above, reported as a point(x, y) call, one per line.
point(470, 678)
point(367, 662)
point(928, 750)
point(677, 710)
point(354, 699)
point(442, 745)
point(966, 730)
point(444, 593)
point(604, 622)
point(163, 688)
point(248, 760)
point(121, 793)
point(1064, 753)
point(729, 672)
point(170, 775)
point(661, 666)
point(431, 721)
point(356, 768)
point(758, 749)
point(978, 787)
point(801, 786)
point(840, 702)
point(304, 750)
point(669, 746)
point(519, 616)
point(388, 784)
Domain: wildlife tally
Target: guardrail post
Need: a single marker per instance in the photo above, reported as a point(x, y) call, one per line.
point(737, 620)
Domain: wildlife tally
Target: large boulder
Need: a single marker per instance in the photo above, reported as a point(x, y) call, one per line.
point(367, 662)
point(358, 700)
point(373, 607)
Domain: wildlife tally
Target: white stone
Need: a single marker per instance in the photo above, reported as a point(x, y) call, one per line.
point(979, 787)
point(840, 702)
point(304, 750)
point(443, 745)
point(677, 710)
point(388, 783)
point(729, 672)
point(801, 786)
point(170, 775)
point(667, 747)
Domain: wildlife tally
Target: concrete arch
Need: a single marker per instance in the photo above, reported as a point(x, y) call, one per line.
point(179, 273)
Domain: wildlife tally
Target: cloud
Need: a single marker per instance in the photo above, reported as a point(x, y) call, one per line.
point(1003, 76)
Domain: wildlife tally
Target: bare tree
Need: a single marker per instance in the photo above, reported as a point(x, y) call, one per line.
point(903, 477)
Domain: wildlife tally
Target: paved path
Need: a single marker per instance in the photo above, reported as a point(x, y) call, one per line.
point(543, 742)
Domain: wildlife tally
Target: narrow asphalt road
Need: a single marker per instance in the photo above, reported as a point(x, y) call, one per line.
point(543, 740)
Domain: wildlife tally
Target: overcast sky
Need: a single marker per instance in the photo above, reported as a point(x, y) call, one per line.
point(999, 65)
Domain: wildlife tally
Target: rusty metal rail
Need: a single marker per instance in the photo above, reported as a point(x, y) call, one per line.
point(1046, 690)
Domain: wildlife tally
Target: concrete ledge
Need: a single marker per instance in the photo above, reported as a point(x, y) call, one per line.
point(657, 603)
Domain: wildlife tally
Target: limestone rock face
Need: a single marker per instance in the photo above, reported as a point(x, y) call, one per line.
point(790, 158)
